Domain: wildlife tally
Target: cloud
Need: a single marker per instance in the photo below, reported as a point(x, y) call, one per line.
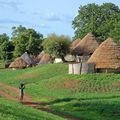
point(13, 4)
point(4, 27)
point(53, 17)
point(25, 23)
point(10, 21)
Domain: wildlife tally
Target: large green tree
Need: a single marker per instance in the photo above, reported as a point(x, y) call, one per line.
point(57, 46)
point(26, 40)
point(101, 20)
point(6, 47)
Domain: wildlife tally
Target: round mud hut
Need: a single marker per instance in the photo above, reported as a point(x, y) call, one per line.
point(86, 46)
point(107, 57)
point(41, 55)
point(46, 59)
point(19, 63)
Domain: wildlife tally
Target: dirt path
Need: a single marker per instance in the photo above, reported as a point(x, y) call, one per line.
point(29, 101)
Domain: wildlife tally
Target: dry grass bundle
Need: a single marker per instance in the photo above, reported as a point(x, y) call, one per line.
point(18, 63)
point(86, 46)
point(41, 55)
point(74, 43)
point(107, 55)
point(46, 59)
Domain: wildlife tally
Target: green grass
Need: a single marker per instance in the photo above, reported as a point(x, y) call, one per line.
point(91, 96)
point(2, 64)
point(15, 111)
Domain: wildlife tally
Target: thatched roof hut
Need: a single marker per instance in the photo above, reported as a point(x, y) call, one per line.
point(86, 46)
point(107, 55)
point(70, 58)
point(19, 63)
point(74, 43)
point(27, 59)
point(41, 55)
point(46, 59)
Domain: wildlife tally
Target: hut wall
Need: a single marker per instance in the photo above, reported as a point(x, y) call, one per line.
point(70, 71)
point(83, 58)
point(78, 68)
point(108, 70)
point(58, 60)
point(87, 68)
point(74, 68)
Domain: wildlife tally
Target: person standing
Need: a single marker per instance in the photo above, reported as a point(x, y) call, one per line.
point(21, 88)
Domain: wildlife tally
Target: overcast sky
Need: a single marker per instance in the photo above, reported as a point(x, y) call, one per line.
point(45, 16)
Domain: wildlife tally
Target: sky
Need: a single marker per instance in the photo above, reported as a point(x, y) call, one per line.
point(45, 16)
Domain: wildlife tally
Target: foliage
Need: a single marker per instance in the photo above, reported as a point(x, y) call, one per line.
point(26, 40)
point(101, 20)
point(6, 47)
point(14, 111)
point(57, 46)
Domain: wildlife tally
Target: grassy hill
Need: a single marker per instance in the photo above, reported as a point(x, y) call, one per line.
point(91, 96)
point(14, 111)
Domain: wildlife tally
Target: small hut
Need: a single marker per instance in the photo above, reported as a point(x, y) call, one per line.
point(19, 63)
point(27, 59)
point(41, 55)
point(46, 59)
point(107, 57)
point(70, 58)
point(86, 46)
point(58, 60)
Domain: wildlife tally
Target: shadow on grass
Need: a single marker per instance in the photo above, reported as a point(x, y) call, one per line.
point(81, 99)
point(88, 107)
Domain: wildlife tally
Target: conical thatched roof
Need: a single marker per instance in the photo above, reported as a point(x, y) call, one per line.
point(46, 59)
point(27, 59)
point(41, 55)
point(74, 43)
point(86, 46)
point(107, 55)
point(18, 63)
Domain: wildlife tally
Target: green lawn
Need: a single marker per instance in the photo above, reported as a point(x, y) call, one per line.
point(2, 64)
point(14, 111)
point(91, 96)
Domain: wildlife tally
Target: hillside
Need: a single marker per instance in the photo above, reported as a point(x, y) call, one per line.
point(14, 111)
point(89, 97)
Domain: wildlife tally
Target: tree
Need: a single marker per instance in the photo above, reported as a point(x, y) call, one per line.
point(97, 19)
point(57, 46)
point(3, 38)
point(35, 42)
point(114, 33)
point(6, 47)
point(26, 40)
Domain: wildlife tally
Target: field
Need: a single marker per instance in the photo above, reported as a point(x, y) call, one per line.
point(14, 111)
point(86, 97)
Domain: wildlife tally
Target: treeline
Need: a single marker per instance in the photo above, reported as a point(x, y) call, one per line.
point(28, 40)
point(22, 40)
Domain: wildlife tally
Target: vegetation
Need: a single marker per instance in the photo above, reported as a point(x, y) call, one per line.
point(6, 47)
point(91, 96)
point(102, 20)
point(26, 40)
point(14, 111)
point(57, 46)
